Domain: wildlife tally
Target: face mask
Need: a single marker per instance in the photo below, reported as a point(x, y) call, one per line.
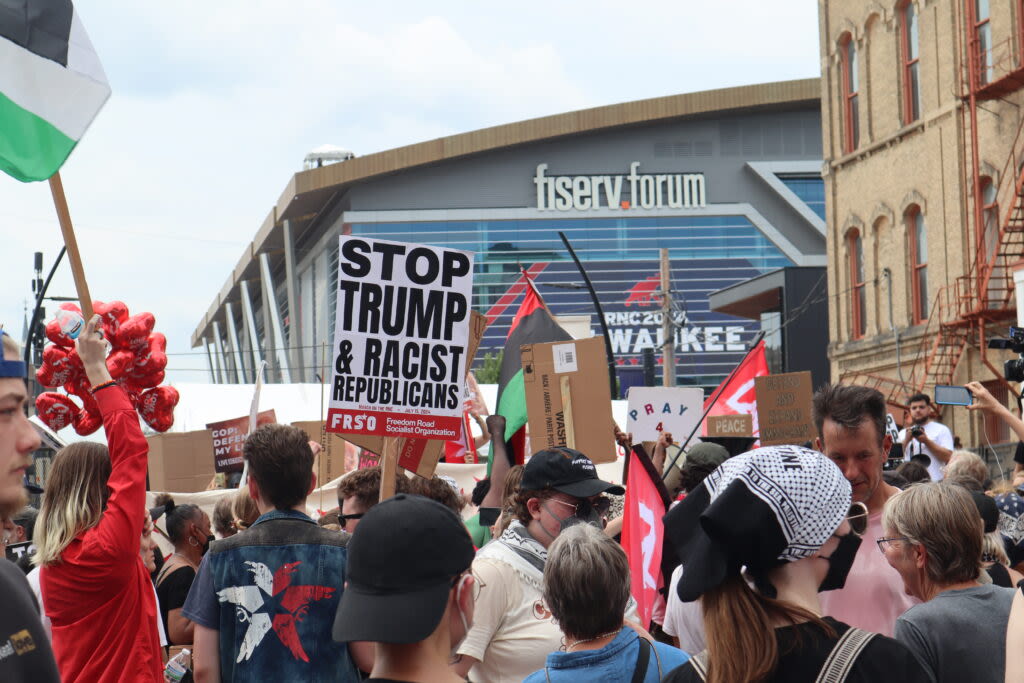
point(840, 562)
point(209, 539)
point(585, 514)
point(462, 616)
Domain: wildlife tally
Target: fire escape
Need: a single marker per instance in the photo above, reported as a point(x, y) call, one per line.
point(980, 304)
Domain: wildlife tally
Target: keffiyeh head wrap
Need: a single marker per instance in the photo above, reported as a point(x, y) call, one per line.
point(760, 509)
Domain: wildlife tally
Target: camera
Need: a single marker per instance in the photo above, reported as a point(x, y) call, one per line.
point(1013, 369)
point(916, 430)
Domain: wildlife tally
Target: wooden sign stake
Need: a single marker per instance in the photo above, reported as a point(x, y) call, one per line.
point(74, 257)
point(570, 431)
point(388, 467)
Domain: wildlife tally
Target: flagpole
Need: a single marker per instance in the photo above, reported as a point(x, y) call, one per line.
point(612, 379)
point(74, 257)
point(721, 388)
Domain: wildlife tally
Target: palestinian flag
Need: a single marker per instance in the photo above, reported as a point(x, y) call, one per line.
point(51, 86)
point(533, 324)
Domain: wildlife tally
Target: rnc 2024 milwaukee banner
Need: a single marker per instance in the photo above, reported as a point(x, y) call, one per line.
point(400, 339)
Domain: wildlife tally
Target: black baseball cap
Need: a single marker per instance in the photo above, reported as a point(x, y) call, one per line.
point(401, 567)
point(565, 470)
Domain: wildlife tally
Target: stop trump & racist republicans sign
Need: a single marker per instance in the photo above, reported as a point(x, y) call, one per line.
point(400, 339)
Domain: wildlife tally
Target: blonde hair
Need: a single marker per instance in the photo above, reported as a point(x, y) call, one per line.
point(993, 549)
point(76, 494)
point(244, 509)
point(944, 519)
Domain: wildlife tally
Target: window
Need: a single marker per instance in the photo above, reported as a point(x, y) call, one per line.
point(858, 296)
point(983, 40)
point(851, 112)
point(919, 263)
point(911, 83)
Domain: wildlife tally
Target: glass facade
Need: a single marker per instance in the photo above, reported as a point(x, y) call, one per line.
point(620, 255)
point(810, 189)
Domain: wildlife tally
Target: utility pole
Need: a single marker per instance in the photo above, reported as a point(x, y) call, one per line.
point(668, 348)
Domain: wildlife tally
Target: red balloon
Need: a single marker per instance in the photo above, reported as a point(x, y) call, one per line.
point(87, 422)
point(153, 358)
point(134, 332)
point(54, 334)
point(157, 407)
point(112, 314)
point(56, 369)
point(119, 362)
point(138, 382)
point(57, 411)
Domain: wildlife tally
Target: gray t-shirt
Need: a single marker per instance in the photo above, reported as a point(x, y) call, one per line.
point(960, 635)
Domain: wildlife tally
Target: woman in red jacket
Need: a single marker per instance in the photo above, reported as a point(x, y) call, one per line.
point(96, 591)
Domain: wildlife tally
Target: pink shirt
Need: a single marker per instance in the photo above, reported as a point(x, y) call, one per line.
point(874, 595)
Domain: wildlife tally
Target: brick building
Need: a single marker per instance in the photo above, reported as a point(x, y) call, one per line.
point(921, 121)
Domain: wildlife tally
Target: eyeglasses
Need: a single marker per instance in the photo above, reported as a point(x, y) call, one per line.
point(478, 583)
point(882, 542)
point(600, 505)
point(858, 518)
point(342, 519)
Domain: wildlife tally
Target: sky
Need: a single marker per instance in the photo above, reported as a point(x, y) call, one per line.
point(215, 104)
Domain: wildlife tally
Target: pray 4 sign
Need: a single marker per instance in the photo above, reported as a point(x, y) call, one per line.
point(653, 410)
point(400, 340)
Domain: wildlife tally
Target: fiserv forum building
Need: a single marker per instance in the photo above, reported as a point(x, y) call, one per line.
point(728, 180)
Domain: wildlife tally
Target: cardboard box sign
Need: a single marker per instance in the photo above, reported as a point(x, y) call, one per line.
point(229, 438)
point(653, 410)
point(330, 464)
point(180, 462)
point(583, 418)
point(420, 456)
point(730, 425)
point(784, 408)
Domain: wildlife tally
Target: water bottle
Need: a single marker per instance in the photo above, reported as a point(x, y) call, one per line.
point(71, 323)
point(177, 666)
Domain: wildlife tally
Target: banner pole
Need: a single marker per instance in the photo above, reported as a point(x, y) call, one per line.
point(74, 257)
point(718, 393)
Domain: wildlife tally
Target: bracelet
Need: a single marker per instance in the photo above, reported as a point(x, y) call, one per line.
point(102, 386)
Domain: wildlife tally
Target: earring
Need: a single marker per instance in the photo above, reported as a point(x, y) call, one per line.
point(192, 541)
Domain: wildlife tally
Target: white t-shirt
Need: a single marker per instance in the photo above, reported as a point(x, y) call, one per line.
point(937, 432)
point(684, 620)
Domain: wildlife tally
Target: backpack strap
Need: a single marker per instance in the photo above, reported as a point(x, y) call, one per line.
point(642, 659)
point(840, 661)
point(700, 664)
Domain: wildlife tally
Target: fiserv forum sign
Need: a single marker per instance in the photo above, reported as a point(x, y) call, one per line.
point(591, 192)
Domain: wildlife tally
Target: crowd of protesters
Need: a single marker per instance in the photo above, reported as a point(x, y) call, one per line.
point(784, 563)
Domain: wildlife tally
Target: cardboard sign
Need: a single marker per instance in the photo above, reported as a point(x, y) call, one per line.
point(401, 339)
point(784, 408)
point(16, 551)
point(330, 463)
point(229, 437)
point(653, 410)
point(420, 456)
point(730, 425)
point(582, 416)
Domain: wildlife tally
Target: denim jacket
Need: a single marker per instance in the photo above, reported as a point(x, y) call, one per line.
point(272, 592)
point(613, 663)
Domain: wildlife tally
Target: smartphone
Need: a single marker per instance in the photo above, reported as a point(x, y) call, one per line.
point(953, 396)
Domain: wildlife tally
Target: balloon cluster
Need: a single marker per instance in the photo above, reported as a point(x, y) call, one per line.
point(136, 361)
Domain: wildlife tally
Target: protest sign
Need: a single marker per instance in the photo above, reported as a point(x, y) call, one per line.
point(568, 400)
point(730, 425)
point(421, 456)
point(784, 408)
point(16, 551)
point(401, 339)
point(229, 437)
point(653, 410)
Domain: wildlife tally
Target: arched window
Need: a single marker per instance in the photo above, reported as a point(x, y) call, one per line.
point(918, 238)
point(858, 296)
point(851, 86)
point(911, 83)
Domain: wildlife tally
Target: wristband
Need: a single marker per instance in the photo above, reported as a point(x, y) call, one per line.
point(104, 385)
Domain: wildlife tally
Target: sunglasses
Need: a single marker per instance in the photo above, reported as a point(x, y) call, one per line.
point(581, 507)
point(342, 519)
point(857, 516)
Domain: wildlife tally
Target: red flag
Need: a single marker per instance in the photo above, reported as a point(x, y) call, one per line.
point(738, 397)
point(642, 534)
